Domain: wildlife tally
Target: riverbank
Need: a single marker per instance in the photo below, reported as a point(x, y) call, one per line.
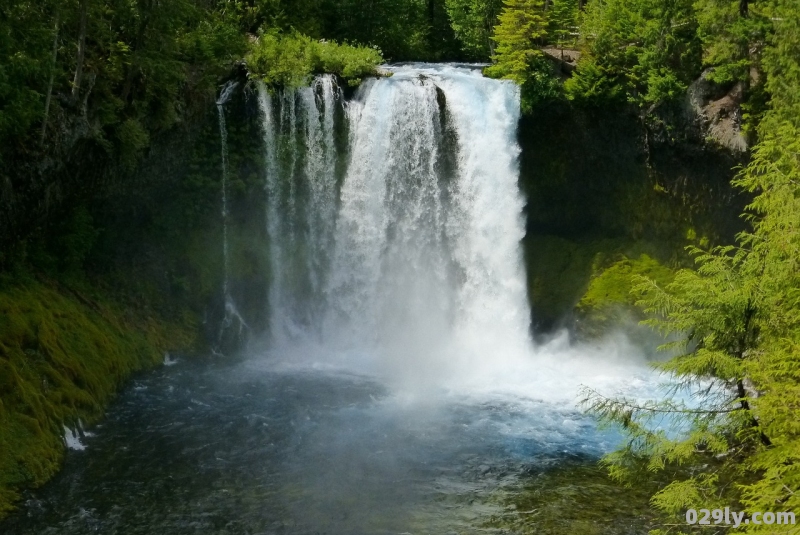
point(65, 350)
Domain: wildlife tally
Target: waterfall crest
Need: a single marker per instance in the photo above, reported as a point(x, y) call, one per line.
point(411, 254)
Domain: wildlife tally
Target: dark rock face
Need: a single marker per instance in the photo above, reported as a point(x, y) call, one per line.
point(596, 181)
point(606, 182)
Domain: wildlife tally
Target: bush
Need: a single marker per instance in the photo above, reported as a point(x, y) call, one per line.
point(291, 60)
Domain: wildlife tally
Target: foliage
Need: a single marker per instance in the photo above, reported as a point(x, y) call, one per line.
point(522, 28)
point(740, 326)
point(521, 25)
point(24, 52)
point(403, 29)
point(473, 22)
point(562, 21)
point(609, 291)
point(734, 33)
point(138, 62)
point(291, 60)
point(647, 50)
point(63, 354)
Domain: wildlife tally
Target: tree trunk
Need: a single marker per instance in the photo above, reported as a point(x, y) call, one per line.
point(746, 406)
point(76, 82)
point(50, 84)
point(133, 68)
point(743, 342)
point(744, 8)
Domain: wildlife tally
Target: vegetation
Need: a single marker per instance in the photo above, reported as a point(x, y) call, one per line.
point(87, 87)
point(608, 297)
point(646, 51)
point(63, 354)
point(291, 60)
point(737, 322)
point(520, 25)
point(473, 22)
point(733, 320)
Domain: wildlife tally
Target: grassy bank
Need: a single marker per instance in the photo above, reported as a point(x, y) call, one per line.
point(64, 352)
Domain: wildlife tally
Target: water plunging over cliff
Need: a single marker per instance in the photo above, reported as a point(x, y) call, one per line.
point(231, 313)
point(410, 255)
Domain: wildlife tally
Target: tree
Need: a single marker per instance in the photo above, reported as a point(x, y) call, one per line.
point(647, 50)
point(473, 22)
point(521, 25)
point(738, 317)
point(734, 33)
point(562, 21)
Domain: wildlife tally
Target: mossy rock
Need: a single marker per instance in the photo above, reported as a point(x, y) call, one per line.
point(587, 282)
point(608, 301)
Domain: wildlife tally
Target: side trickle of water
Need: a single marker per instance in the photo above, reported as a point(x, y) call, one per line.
point(231, 312)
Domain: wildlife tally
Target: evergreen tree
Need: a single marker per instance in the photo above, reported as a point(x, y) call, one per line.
point(738, 317)
point(473, 22)
point(647, 50)
point(734, 34)
point(521, 26)
point(562, 21)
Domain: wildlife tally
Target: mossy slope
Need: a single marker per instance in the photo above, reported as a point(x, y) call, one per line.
point(62, 357)
point(588, 281)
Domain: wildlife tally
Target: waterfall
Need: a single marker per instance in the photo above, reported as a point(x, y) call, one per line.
point(413, 256)
point(231, 311)
point(301, 161)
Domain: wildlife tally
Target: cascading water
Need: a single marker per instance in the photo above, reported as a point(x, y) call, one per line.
point(413, 257)
point(231, 312)
point(301, 161)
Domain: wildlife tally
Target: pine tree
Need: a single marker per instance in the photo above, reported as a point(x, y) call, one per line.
point(646, 49)
point(473, 22)
point(734, 33)
point(562, 21)
point(522, 23)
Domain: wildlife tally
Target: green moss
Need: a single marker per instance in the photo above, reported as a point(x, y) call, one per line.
point(63, 356)
point(608, 298)
point(586, 278)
